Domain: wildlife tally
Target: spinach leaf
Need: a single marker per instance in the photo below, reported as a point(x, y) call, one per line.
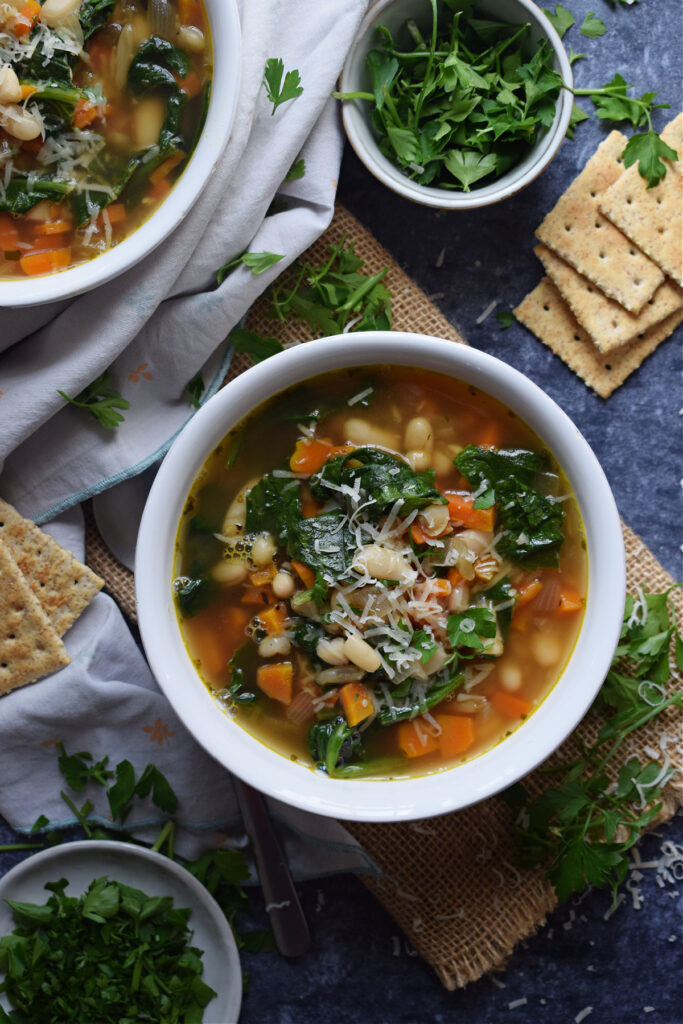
point(500, 593)
point(333, 744)
point(20, 197)
point(243, 665)
point(383, 476)
point(153, 67)
point(307, 634)
point(192, 595)
point(532, 521)
point(39, 66)
point(273, 506)
point(418, 702)
point(94, 14)
point(324, 543)
point(116, 172)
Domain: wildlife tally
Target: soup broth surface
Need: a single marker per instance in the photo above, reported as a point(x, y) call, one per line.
point(101, 105)
point(380, 572)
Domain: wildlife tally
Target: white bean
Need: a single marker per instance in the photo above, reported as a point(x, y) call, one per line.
point(10, 89)
point(382, 563)
point(283, 584)
point(437, 661)
point(273, 646)
point(443, 465)
point(418, 460)
point(19, 122)
point(54, 12)
point(460, 597)
point(545, 649)
point(359, 431)
point(510, 676)
point(148, 119)
point(361, 654)
point(236, 514)
point(434, 519)
point(263, 549)
point(191, 38)
point(419, 434)
point(475, 540)
point(230, 573)
point(337, 675)
point(332, 651)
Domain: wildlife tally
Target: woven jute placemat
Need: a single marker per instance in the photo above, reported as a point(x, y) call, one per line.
point(450, 882)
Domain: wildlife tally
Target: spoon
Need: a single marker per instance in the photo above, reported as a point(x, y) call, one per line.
point(287, 920)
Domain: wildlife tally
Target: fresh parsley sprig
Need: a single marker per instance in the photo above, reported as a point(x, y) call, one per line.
point(257, 262)
point(279, 91)
point(582, 827)
point(101, 400)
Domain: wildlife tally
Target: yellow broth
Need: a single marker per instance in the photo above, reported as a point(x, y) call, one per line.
point(108, 139)
point(499, 692)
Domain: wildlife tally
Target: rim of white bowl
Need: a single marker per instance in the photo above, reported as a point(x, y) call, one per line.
point(369, 799)
point(67, 284)
point(363, 142)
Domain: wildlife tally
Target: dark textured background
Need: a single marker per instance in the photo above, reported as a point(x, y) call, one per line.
point(360, 969)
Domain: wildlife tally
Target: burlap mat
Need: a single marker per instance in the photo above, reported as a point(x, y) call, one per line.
point(450, 882)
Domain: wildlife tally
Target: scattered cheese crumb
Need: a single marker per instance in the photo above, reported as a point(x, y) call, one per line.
point(487, 312)
point(582, 1014)
point(440, 258)
point(396, 944)
point(517, 1002)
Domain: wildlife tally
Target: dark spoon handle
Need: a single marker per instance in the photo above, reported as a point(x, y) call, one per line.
point(282, 903)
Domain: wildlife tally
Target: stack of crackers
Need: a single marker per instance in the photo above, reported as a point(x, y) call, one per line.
point(43, 590)
point(612, 250)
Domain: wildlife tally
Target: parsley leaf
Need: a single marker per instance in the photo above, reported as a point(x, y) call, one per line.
point(253, 344)
point(195, 389)
point(573, 57)
point(101, 400)
point(297, 170)
point(425, 643)
point(592, 26)
point(471, 630)
point(505, 318)
point(257, 262)
point(576, 117)
point(278, 91)
point(649, 150)
point(562, 20)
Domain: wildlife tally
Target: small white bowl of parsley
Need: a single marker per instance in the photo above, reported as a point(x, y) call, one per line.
point(456, 103)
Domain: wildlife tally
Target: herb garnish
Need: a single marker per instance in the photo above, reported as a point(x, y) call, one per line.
point(111, 954)
point(101, 400)
point(278, 91)
point(582, 827)
point(592, 26)
point(195, 389)
point(257, 262)
point(297, 170)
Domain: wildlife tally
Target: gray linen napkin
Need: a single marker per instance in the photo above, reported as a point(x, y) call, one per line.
point(106, 702)
point(165, 320)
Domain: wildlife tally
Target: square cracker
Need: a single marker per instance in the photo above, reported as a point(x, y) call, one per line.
point(608, 323)
point(673, 136)
point(545, 312)
point(29, 645)
point(61, 583)
point(651, 217)
point(579, 233)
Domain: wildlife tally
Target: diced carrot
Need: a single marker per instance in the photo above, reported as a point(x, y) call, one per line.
point(274, 618)
point(212, 644)
point(417, 534)
point(509, 706)
point(457, 734)
point(276, 680)
point(442, 588)
point(9, 234)
point(309, 455)
point(190, 13)
point(415, 740)
point(254, 596)
point(340, 449)
point(570, 600)
point(356, 702)
point(160, 172)
point(85, 112)
point(461, 510)
point(45, 262)
point(116, 213)
point(28, 90)
point(160, 189)
point(191, 85)
point(26, 18)
point(53, 227)
point(527, 590)
point(309, 506)
point(306, 575)
point(454, 577)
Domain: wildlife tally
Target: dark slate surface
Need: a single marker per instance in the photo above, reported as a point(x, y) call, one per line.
point(628, 968)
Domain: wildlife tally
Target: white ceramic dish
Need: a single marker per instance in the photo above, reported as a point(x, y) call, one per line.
point(156, 875)
point(361, 135)
point(227, 46)
point(366, 799)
